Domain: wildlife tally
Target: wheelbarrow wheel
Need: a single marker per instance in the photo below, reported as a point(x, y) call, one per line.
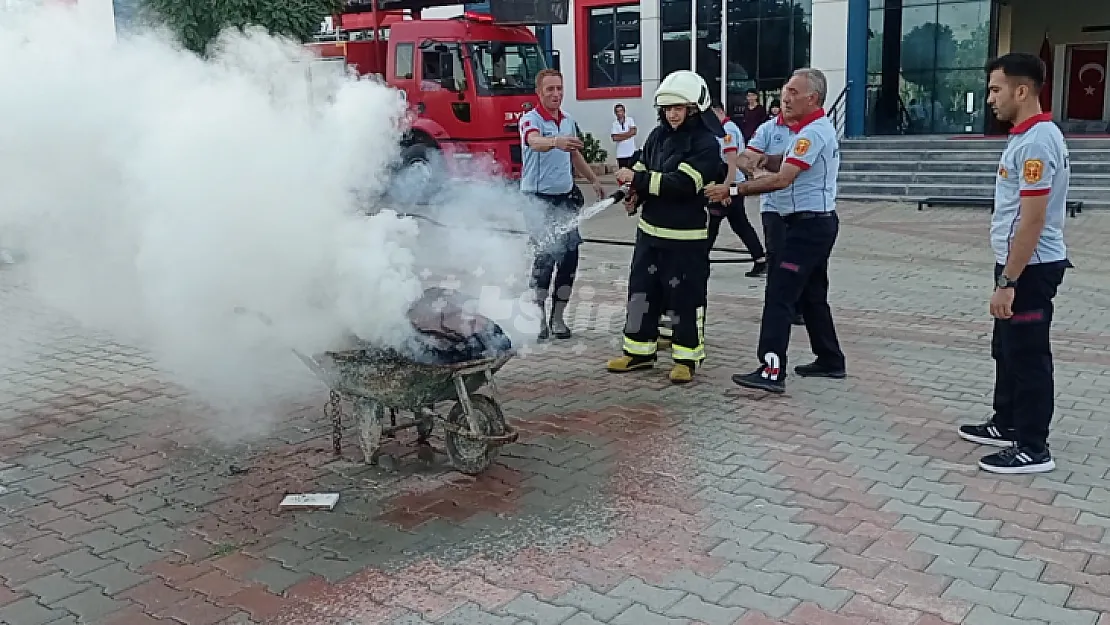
point(370, 415)
point(468, 455)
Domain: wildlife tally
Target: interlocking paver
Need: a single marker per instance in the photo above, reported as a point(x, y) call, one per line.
point(625, 501)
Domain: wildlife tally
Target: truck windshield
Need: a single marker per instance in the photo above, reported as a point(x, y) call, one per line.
point(506, 68)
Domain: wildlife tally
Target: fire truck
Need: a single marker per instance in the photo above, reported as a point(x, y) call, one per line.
point(467, 79)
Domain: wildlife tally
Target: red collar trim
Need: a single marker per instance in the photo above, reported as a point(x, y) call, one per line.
point(1029, 123)
point(557, 118)
point(803, 122)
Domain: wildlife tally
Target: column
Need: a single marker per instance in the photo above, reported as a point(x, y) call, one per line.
point(856, 70)
point(830, 43)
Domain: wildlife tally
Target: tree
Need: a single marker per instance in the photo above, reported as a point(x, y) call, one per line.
point(924, 49)
point(198, 22)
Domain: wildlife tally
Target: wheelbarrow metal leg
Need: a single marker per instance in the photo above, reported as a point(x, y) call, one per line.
point(464, 401)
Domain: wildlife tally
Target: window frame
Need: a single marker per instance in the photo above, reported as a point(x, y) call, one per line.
point(411, 48)
point(584, 91)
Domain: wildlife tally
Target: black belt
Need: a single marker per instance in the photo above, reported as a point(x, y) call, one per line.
point(801, 215)
point(551, 198)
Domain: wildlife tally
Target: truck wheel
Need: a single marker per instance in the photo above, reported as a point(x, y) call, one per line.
point(416, 174)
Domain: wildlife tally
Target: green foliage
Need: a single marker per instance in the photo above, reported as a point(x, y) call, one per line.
point(198, 22)
point(591, 148)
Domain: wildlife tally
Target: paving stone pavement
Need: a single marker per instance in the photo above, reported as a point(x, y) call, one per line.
point(626, 501)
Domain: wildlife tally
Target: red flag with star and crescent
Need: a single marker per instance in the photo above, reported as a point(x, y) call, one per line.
point(1086, 84)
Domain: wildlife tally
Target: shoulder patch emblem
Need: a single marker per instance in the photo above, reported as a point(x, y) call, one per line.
point(728, 139)
point(1033, 171)
point(1002, 173)
point(801, 147)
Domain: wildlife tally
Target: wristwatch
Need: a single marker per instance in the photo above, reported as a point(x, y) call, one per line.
point(1005, 283)
point(733, 190)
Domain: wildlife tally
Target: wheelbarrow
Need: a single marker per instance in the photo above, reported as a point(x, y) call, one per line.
point(375, 380)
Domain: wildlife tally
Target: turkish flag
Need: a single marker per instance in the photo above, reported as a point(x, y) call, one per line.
point(1046, 58)
point(1086, 84)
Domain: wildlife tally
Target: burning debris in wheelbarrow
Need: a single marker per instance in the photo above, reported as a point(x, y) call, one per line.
point(446, 333)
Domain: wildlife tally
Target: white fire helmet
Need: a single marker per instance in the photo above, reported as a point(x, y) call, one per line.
point(683, 87)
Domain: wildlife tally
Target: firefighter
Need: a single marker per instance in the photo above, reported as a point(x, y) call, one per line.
point(670, 262)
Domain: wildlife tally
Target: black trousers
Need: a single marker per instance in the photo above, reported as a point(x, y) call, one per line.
point(737, 220)
point(557, 257)
point(1024, 391)
point(671, 281)
point(798, 280)
point(625, 162)
point(774, 228)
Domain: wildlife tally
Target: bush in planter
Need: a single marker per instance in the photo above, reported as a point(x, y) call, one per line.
point(591, 149)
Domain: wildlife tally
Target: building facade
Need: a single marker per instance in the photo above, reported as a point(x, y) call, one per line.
point(905, 66)
point(898, 66)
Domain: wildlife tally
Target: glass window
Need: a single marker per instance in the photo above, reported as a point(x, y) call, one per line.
point(506, 68)
point(614, 45)
point(709, 45)
point(441, 61)
point(775, 49)
point(675, 31)
point(970, 25)
point(927, 78)
point(402, 64)
point(767, 41)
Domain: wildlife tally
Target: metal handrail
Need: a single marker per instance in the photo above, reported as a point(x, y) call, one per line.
point(836, 111)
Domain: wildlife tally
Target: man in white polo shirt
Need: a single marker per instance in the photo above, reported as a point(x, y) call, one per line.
point(623, 134)
point(1027, 234)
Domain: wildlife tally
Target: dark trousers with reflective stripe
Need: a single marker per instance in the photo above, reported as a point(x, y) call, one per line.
point(671, 281)
point(1024, 392)
point(798, 281)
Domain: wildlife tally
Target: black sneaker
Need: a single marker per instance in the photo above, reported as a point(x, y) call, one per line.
point(988, 434)
point(1018, 460)
point(760, 380)
point(758, 269)
point(817, 370)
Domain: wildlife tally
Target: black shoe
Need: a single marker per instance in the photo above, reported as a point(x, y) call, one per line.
point(988, 434)
point(760, 380)
point(817, 370)
point(1017, 460)
point(758, 269)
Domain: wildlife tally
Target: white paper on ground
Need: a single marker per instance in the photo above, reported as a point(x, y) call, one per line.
point(314, 501)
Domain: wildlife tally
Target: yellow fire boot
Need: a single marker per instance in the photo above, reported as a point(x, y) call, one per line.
point(682, 373)
point(626, 363)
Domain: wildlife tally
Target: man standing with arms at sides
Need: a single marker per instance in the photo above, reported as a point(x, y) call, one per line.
point(551, 151)
point(733, 208)
point(753, 115)
point(1027, 234)
point(799, 277)
point(623, 134)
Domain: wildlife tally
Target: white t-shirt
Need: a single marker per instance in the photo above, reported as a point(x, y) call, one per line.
point(627, 147)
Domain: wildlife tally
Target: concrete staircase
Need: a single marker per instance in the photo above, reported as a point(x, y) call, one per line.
point(909, 168)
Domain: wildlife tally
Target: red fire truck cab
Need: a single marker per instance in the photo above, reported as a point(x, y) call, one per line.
point(467, 79)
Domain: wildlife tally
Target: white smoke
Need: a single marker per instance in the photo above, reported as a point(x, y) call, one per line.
point(213, 211)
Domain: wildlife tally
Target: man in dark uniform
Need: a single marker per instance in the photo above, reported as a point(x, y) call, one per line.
point(799, 277)
point(670, 263)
